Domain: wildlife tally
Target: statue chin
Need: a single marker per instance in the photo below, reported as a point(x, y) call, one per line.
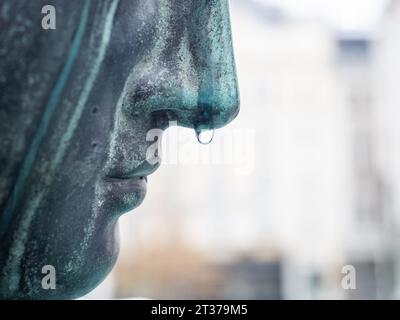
point(80, 282)
point(75, 273)
point(96, 265)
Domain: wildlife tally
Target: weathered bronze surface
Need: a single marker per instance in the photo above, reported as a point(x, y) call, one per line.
point(76, 104)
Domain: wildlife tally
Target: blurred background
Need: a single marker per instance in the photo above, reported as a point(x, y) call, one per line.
point(305, 181)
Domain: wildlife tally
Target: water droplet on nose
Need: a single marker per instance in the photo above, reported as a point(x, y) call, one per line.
point(205, 136)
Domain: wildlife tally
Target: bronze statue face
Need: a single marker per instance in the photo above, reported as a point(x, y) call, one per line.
point(76, 104)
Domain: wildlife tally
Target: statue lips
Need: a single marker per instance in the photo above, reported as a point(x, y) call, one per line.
point(127, 191)
point(125, 194)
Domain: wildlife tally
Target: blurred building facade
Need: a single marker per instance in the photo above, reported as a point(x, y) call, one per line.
point(291, 83)
point(364, 235)
point(386, 115)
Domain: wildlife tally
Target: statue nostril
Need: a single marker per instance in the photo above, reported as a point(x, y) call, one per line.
point(162, 118)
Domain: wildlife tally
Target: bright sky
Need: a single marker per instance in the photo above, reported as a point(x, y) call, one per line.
point(346, 15)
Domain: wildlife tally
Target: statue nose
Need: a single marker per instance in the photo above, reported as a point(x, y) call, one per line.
point(189, 76)
point(206, 60)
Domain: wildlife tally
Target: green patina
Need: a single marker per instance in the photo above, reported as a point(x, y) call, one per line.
point(112, 71)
